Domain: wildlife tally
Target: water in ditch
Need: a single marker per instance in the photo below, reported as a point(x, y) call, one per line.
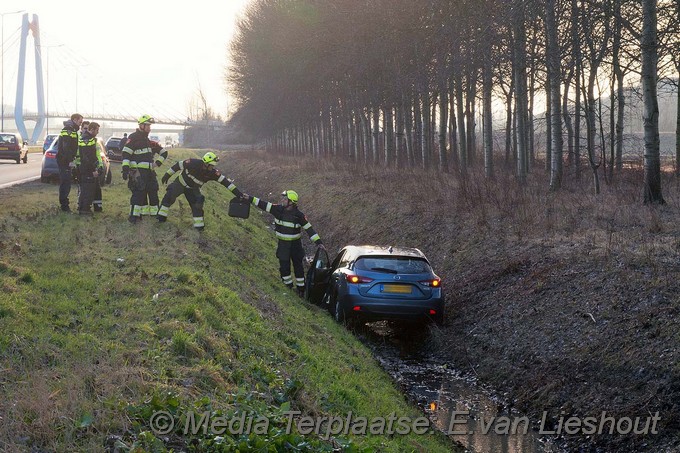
point(454, 402)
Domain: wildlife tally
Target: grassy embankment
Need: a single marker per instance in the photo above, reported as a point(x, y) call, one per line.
point(562, 302)
point(102, 323)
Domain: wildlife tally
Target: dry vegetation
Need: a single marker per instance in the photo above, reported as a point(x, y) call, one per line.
point(560, 302)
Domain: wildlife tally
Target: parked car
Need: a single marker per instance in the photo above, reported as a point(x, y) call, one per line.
point(13, 146)
point(113, 148)
point(371, 283)
point(50, 170)
point(49, 138)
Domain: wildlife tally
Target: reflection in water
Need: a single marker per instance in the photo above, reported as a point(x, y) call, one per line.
point(453, 402)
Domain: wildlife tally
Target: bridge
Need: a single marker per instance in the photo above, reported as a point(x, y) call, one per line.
point(114, 107)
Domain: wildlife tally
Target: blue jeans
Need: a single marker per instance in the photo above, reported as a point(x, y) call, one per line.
point(64, 185)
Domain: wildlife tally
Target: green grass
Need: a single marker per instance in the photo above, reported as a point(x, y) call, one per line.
point(102, 323)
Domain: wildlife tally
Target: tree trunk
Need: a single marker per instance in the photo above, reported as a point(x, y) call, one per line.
point(418, 139)
point(592, 128)
point(427, 132)
point(399, 135)
point(677, 128)
point(470, 102)
point(508, 126)
point(620, 94)
point(376, 134)
point(453, 130)
point(548, 125)
point(519, 69)
point(460, 107)
point(554, 76)
point(650, 116)
point(576, 46)
point(487, 124)
point(408, 122)
point(443, 122)
point(390, 151)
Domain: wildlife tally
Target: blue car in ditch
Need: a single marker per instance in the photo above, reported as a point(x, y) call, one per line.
point(372, 283)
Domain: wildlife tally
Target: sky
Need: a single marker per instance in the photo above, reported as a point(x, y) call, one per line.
point(125, 57)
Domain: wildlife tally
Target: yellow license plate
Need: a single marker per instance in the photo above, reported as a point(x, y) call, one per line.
point(399, 289)
point(4, 148)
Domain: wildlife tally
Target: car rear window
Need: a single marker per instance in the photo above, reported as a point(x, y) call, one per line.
point(393, 264)
point(8, 138)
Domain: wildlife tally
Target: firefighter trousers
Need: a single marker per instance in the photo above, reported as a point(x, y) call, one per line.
point(192, 194)
point(143, 184)
point(286, 252)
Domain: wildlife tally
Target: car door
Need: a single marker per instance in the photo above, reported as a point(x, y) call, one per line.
point(318, 277)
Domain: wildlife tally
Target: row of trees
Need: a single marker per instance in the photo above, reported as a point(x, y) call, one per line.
point(403, 82)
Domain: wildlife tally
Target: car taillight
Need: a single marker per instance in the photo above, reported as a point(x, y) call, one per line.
point(434, 283)
point(50, 154)
point(357, 279)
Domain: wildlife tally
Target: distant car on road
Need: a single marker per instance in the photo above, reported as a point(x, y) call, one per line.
point(113, 148)
point(49, 138)
point(13, 146)
point(50, 170)
point(371, 283)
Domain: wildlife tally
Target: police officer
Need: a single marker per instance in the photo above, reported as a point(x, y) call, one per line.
point(67, 149)
point(290, 222)
point(140, 156)
point(91, 166)
point(194, 173)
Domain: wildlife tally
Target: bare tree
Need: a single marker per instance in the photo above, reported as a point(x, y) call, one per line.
point(554, 77)
point(652, 158)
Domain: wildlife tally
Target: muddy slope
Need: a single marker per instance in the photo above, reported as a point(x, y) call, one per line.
point(562, 303)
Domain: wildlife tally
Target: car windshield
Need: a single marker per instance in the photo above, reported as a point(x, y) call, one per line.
point(393, 264)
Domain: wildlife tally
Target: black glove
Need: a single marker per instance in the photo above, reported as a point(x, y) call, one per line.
point(165, 178)
point(126, 172)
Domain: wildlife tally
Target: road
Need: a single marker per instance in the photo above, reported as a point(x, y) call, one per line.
point(12, 173)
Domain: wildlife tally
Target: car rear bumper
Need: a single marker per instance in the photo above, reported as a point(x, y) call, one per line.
point(14, 155)
point(392, 309)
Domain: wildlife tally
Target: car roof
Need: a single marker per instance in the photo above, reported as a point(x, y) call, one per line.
point(384, 250)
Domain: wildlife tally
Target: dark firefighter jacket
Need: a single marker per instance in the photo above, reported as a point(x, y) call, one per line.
point(68, 143)
point(195, 173)
point(289, 222)
point(139, 152)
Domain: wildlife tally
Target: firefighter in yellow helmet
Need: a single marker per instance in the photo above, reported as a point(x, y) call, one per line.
point(290, 222)
point(193, 174)
point(140, 157)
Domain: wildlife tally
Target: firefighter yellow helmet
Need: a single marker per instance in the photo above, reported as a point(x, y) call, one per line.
point(146, 119)
point(210, 158)
point(291, 195)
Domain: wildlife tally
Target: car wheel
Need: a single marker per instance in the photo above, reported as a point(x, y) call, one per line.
point(18, 160)
point(338, 312)
point(108, 177)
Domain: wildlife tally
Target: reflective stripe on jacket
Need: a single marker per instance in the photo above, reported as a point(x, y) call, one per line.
point(289, 223)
